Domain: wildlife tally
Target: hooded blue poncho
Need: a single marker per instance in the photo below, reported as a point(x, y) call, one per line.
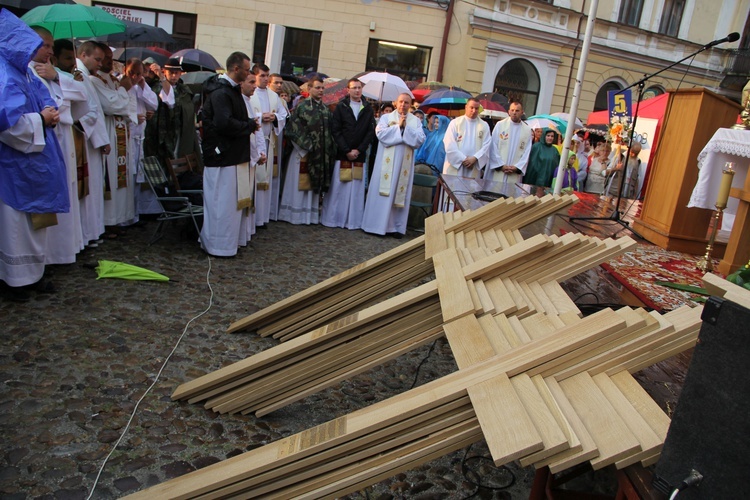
point(29, 182)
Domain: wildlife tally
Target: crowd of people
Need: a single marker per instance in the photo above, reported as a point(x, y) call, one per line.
point(74, 133)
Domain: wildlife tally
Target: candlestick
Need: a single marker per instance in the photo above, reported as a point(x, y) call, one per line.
point(705, 264)
point(726, 184)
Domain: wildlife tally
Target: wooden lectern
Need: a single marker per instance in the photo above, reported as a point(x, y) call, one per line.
point(690, 120)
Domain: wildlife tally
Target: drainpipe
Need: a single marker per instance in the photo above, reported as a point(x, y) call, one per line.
point(444, 42)
point(573, 57)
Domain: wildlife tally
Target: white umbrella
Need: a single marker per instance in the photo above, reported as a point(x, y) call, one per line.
point(383, 86)
point(536, 122)
point(493, 113)
point(566, 118)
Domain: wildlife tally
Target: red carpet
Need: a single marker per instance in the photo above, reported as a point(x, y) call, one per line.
point(639, 270)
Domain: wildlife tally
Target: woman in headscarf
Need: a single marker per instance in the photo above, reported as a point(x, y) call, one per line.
point(433, 149)
point(543, 160)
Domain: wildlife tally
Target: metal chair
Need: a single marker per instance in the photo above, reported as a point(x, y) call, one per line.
point(173, 203)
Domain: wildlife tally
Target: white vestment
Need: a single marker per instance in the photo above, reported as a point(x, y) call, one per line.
point(65, 239)
point(257, 147)
point(381, 216)
point(95, 129)
point(465, 138)
point(511, 145)
point(21, 246)
point(145, 100)
point(344, 203)
point(298, 207)
point(223, 229)
point(267, 200)
point(119, 112)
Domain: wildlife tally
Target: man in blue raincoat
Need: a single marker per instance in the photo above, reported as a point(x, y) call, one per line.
point(32, 168)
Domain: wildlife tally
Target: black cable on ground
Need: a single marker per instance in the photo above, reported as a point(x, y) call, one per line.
point(472, 476)
point(419, 366)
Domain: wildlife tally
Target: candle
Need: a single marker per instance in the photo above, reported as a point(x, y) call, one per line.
point(726, 185)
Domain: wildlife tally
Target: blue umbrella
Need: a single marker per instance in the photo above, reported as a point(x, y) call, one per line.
point(442, 101)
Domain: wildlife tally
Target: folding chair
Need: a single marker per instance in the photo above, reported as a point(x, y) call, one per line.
point(173, 205)
point(423, 181)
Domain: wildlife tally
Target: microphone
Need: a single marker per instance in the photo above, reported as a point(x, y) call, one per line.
point(732, 37)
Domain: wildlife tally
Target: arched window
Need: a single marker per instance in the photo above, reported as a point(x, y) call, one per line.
point(519, 80)
point(653, 91)
point(600, 104)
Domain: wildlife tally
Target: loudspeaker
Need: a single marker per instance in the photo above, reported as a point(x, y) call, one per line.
point(710, 429)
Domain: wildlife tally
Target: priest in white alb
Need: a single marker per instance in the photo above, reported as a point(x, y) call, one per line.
point(387, 206)
point(467, 143)
point(510, 148)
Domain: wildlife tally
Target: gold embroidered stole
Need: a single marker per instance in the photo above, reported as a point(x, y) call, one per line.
point(82, 164)
point(386, 172)
point(305, 182)
point(245, 184)
point(349, 170)
point(121, 132)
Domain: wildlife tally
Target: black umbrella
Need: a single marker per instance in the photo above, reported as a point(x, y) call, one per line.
point(196, 79)
point(141, 53)
point(137, 32)
point(494, 97)
point(197, 60)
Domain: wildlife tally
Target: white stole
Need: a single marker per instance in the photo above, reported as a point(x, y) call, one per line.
point(386, 172)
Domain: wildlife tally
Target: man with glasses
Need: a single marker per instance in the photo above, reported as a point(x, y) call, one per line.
point(226, 153)
point(353, 129)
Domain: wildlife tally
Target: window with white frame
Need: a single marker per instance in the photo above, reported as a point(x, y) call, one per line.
point(671, 17)
point(630, 12)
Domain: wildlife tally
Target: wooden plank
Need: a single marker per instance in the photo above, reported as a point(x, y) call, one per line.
point(643, 403)
point(561, 301)
point(522, 307)
point(229, 373)
point(582, 445)
point(496, 403)
point(649, 442)
point(488, 307)
point(282, 307)
point(454, 294)
point(434, 234)
point(494, 334)
point(612, 437)
point(491, 240)
point(502, 301)
point(537, 326)
point(496, 263)
point(468, 341)
point(516, 333)
point(554, 439)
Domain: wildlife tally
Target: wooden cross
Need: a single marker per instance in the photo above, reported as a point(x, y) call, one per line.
point(539, 383)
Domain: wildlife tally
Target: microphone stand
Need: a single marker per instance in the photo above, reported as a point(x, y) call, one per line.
point(615, 215)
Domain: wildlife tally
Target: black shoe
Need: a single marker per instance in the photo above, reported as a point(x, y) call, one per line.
point(43, 286)
point(15, 293)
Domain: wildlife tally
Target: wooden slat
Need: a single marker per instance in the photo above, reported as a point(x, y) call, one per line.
point(649, 442)
point(582, 445)
point(454, 294)
point(496, 403)
point(468, 341)
point(612, 437)
point(554, 439)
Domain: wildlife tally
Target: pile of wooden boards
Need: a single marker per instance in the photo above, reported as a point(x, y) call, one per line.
point(538, 382)
point(389, 273)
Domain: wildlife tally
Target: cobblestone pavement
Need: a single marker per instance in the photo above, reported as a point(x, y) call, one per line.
point(74, 365)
